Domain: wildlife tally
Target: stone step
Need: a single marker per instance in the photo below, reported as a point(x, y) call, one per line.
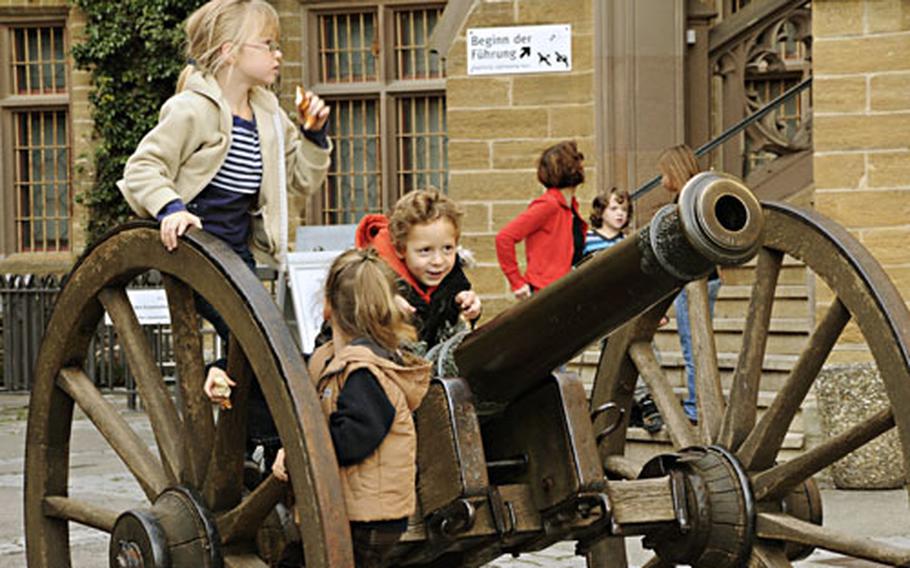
point(731, 342)
point(738, 324)
point(771, 381)
point(792, 441)
point(765, 398)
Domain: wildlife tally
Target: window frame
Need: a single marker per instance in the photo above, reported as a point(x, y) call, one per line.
point(387, 88)
point(10, 103)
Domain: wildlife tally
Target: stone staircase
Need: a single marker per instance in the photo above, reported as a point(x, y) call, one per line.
point(791, 323)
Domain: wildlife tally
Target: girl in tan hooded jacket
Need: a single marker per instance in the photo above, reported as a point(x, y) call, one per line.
point(369, 389)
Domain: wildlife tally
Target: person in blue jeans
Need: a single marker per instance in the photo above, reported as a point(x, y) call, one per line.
point(677, 166)
point(681, 305)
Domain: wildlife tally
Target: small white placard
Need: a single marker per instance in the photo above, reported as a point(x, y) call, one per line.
point(520, 49)
point(150, 307)
point(307, 271)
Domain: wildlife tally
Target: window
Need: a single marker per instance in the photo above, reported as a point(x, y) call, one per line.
point(37, 207)
point(387, 94)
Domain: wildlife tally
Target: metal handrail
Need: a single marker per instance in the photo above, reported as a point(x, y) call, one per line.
point(732, 131)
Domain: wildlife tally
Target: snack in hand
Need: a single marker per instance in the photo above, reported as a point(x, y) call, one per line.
point(303, 104)
point(220, 388)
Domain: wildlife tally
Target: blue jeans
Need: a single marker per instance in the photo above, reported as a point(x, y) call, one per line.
point(681, 304)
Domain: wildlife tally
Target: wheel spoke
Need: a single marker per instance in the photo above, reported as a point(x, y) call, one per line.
point(80, 512)
point(740, 415)
point(776, 482)
point(123, 439)
point(760, 449)
point(681, 431)
point(155, 396)
point(778, 526)
point(766, 556)
point(224, 479)
point(243, 520)
point(198, 423)
point(709, 393)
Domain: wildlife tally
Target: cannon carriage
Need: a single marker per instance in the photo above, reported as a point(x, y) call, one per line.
point(512, 455)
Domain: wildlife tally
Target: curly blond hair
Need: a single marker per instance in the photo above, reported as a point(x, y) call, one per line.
point(418, 207)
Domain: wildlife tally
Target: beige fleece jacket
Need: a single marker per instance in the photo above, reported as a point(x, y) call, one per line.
point(184, 151)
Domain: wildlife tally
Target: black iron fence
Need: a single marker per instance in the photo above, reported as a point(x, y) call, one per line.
point(26, 302)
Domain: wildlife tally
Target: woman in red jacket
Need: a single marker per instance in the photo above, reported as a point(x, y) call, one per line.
point(551, 225)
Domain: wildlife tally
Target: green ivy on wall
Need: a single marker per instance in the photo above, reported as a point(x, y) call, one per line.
point(134, 50)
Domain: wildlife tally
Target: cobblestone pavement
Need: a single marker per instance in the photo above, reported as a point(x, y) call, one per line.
point(98, 475)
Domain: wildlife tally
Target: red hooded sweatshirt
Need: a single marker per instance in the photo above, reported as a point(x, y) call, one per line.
point(373, 231)
point(546, 225)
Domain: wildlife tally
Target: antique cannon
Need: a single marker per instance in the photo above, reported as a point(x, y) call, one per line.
point(512, 456)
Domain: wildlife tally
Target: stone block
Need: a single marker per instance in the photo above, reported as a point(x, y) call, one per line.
point(579, 13)
point(839, 171)
point(488, 279)
point(865, 209)
point(505, 212)
point(496, 124)
point(888, 246)
point(889, 169)
point(489, 13)
point(891, 92)
point(553, 89)
point(492, 185)
point(462, 92)
point(837, 18)
point(476, 218)
point(861, 132)
point(887, 15)
point(840, 94)
point(468, 155)
point(847, 396)
point(571, 121)
point(483, 245)
point(861, 55)
point(519, 153)
point(582, 51)
point(457, 62)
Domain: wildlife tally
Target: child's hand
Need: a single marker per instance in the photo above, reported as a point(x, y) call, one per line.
point(316, 110)
point(175, 225)
point(278, 469)
point(469, 302)
point(218, 387)
point(404, 305)
point(523, 293)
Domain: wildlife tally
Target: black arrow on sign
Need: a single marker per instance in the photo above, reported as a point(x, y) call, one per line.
point(525, 52)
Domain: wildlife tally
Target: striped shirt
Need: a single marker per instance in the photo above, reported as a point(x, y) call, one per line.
point(224, 205)
point(595, 242)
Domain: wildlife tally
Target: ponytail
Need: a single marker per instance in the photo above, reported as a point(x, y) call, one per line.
point(361, 293)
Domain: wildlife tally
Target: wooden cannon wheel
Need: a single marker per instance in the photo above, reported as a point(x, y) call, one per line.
point(746, 508)
point(199, 514)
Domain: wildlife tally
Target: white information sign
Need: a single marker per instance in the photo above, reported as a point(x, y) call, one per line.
point(150, 307)
point(520, 49)
point(307, 271)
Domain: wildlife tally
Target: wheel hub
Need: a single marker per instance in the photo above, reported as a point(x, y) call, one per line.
point(176, 532)
point(721, 511)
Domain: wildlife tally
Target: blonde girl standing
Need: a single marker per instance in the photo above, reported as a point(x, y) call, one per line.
point(224, 155)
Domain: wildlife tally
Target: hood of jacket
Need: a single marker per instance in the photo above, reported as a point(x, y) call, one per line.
point(411, 374)
point(373, 231)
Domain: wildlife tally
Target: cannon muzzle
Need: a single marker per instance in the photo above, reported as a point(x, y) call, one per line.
point(717, 221)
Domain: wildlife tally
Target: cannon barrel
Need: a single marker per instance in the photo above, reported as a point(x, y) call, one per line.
point(717, 221)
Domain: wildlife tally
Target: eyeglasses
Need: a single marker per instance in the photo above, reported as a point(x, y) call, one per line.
point(271, 46)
